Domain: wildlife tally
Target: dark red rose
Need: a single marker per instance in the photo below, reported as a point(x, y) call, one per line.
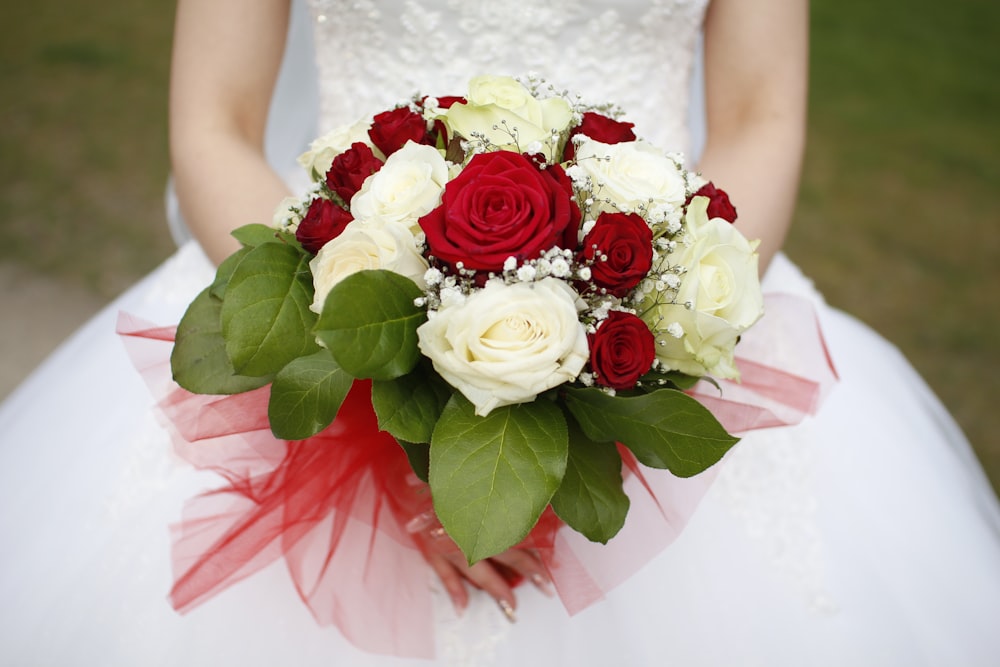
point(391, 130)
point(502, 205)
point(446, 101)
point(719, 205)
point(323, 222)
point(621, 351)
point(600, 128)
point(627, 242)
point(350, 169)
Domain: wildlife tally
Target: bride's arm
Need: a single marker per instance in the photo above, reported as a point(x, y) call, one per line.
point(756, 69)
point(226, 58)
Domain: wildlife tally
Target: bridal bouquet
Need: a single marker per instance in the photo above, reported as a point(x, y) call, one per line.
point(528, 287)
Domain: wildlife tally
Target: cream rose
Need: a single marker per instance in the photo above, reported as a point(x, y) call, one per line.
point(509, 115)
point(408, 186)
point(722, 286)
point(322, 151)
point(358, 248)
point(288, 214)
point(631, 174)
point(507, 343)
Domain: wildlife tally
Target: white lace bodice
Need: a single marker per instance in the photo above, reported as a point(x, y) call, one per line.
point(638, 54)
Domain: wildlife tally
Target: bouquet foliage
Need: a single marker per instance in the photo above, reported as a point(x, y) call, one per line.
point(528, 287)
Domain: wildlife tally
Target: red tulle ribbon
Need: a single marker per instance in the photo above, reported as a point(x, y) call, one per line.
point(785, 370)
point(339, 507)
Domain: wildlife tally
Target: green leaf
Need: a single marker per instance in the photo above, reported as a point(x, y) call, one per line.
point(491, 477)
point(369, 323)
point(198, 361)
point(664, 429)
point(306, 395)
point(674, 379)
point(254, 235)
point(408, 407)
point(590, 499)
point(266, 319)
point(419, 455)
point(225, 272)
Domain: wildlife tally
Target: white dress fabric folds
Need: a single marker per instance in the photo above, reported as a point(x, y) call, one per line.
point(867, 535)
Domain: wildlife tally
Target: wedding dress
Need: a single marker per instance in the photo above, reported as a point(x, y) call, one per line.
point(866, 535)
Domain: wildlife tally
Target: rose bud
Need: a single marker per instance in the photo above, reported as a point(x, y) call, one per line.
point(627, 242)
point(349, 170)
point(622, 350)
point(391, 130)
point(719, 205)
point(599, 128)
point(323, 222)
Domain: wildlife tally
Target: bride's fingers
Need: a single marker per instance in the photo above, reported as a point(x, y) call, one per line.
point(485, 576)
point(527, 564)
point(489, 576)
point(453, 572)
point(451, 578)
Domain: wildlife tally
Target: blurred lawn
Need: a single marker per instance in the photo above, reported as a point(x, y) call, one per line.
point(898, 215)
point(83, 156)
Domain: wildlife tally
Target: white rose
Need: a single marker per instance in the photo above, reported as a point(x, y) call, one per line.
point(507, 343)
point(722, 285)
point(359, 248)
point(697, 344)
point(631, 174)
point(288, 214)
point(408, 186)
point(322, 151)
point(499, 107)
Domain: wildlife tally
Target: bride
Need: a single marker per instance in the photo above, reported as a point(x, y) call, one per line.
point(865, 536)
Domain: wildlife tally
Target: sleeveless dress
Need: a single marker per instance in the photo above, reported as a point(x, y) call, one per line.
point(867, 535)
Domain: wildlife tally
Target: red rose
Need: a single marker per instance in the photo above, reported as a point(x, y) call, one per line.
point(502, 205)
point(446, 101)
point(600, 128)
point(621, 351)
point(719, 205)
point(390, 130)
point(323, 222)
point(627, 242)
point(350, 169)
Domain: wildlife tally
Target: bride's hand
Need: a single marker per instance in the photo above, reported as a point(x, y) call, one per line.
point(495, 576)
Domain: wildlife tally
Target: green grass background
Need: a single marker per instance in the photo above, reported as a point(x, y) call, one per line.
point(897, 220)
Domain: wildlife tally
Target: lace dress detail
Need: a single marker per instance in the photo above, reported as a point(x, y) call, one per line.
point(767, 484)
point(638, 54)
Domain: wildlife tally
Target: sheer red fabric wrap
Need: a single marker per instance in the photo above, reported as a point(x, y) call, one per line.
point(336, 507)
